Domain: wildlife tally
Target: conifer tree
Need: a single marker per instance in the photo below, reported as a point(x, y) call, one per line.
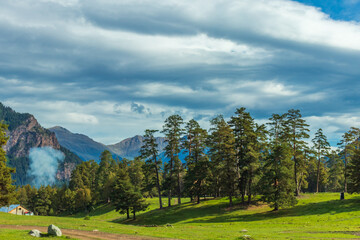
point(173, 131)
point(223, 156)
point(83, 199)
point(347, 149)
point(138, 204)
point(43, 200)
point(277, 181)
point(7, 190)
point(126, 198)
point(321, 146)
point(296, 131)
point(136, 173)
point(336, 172)
point(105, 174)
point(197, 161)
point(353, 172)
point(149, 151)
point(249, 143)
point(243, 126)
point(84, 176)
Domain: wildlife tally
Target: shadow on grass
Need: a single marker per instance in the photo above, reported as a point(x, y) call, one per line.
point(182, 212)
point(99, 210)
point(332, 207)
point(217, 212)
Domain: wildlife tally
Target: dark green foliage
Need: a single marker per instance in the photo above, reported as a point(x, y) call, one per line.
point(249, 145)
point(7, 190)
point(353, 172)
point(277, 181)
point(321, 147)
point(84, 176)
point(21, 165)
point(43, 200)
point(136, 173)
point(296, 130)
point(173, 131)
point(223, 156)
point(336, 172)
point(12, 118)
point(126, 198)
point(152, 167)
point(105, 176)
point(197, 161)
point(348, 143)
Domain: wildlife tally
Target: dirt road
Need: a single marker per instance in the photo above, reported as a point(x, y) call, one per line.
point(83, 235)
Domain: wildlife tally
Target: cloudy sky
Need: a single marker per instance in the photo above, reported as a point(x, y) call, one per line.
point(112, 68)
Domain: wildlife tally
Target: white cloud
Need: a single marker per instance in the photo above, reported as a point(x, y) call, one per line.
point(84, 63)
point(80, 118)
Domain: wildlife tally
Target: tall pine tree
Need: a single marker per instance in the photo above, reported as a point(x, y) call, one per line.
point(223, 156)
point(321, 146)
point(173, 131)
point(7, 190)
point(149, 151)
point(277, 183)
point(296, 131)
point(198, 166)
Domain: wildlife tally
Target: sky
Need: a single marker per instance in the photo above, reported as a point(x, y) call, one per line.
point(111, 69)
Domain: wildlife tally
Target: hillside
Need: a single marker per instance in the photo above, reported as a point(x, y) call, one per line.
point(26, 133)
point(316, 216)
point(130, 147)
point(83, 146)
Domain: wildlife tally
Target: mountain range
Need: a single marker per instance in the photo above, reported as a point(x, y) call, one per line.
point(25, 133)
point(87, 148)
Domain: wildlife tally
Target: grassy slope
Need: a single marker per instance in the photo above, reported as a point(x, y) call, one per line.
point(317, 216)
point(23, 235)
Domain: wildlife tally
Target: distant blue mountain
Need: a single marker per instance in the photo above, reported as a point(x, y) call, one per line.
point(83, 146)
point(130, 147)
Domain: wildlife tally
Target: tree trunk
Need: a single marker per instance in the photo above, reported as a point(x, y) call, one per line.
point(179, 186)
point(276, 207)
point(297, 192)
point(158, 183)
point(171, 171)
point(169, 198)
point(127, 214)
point(345, 172)
point(249, 193)
point(318, 176)
point(242, 188)
point(230, 200)
point(134, 217)
point(199, 191)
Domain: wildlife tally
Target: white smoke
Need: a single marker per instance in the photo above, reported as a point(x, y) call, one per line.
point(44, 164)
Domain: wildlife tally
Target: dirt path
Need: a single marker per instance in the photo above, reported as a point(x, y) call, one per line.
point(80, 234)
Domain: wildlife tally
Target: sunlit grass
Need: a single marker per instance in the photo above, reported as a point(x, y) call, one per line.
point(316, 216)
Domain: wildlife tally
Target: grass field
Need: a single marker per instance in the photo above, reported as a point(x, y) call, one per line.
point(316, 216)
point(22, 235)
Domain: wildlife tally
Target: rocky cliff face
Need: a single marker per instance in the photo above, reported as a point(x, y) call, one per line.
point(29, 135)
point(25, 133)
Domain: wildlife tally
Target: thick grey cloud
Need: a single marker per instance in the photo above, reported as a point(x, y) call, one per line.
point(110, 69)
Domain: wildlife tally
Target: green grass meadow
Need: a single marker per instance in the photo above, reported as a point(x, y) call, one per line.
point(316, 216)
point(22, 235)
